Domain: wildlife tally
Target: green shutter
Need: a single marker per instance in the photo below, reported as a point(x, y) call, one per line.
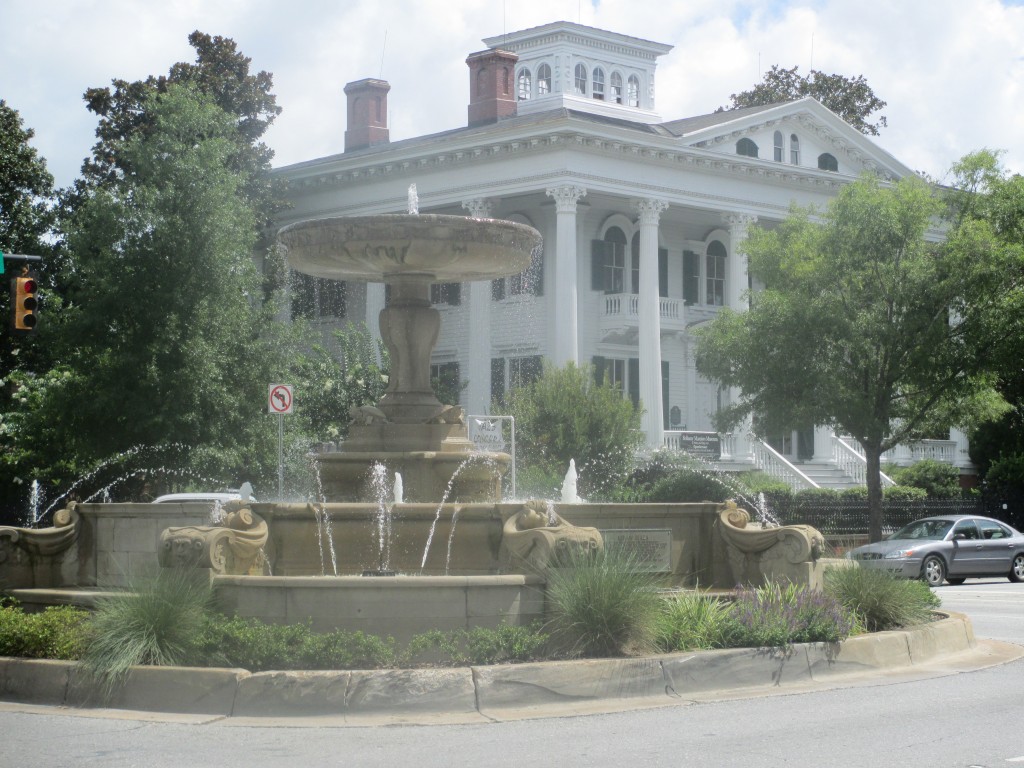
point(598, 248)
point(634, 380)
point(663, 272)
point(598, 362)
point(664, 393)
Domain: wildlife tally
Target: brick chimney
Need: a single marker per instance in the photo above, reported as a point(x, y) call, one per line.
point(367, 113)
point(492, 87)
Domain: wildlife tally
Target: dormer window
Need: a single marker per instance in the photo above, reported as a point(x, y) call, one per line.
point(581, 79)
point(543, 80)
point(780, 148)
point(525, 84)
point(794, 150)
point(746, 147)
point(616, 89)
point(598, 91)
point(633, 91)
point(827, 162)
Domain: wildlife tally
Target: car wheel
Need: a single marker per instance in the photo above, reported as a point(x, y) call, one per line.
point(1017, 569)
point(956, 582)
point(933, 570)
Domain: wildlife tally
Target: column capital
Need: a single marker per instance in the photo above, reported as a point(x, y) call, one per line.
point(650, 209)
point(741, 220)
point(480, 207)
point(566, 196)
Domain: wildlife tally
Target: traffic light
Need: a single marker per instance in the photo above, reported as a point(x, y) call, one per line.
point(24, 303)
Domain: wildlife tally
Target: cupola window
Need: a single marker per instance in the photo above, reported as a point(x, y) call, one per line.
point(598, 91)
point(543, 80)
point(581, 79)
point(633, 91)
point(525, 84)
point(615, 96)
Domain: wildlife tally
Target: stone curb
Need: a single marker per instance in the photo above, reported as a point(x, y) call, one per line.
point(478, 690)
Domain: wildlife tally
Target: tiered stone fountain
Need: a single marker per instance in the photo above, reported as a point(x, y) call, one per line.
point(462, 557)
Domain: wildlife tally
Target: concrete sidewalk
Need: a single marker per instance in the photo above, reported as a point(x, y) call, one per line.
point(502, 692)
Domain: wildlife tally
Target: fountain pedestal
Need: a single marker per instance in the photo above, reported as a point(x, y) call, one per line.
point(409, 430)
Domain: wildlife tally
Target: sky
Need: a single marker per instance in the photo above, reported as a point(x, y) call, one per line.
point(952, 71)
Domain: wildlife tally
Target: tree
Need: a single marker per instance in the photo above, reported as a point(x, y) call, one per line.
point(565, 415)
point(849, 97)
point(868, 323)
point(165, 338)
point(220, 72)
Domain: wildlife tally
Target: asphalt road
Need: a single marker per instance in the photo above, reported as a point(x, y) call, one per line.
point(968, 719)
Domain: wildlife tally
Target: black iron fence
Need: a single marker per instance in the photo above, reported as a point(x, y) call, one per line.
point(850, 517)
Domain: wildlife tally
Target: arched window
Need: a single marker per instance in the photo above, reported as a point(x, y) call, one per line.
point(615, 261)
point(525, 84)
point(616, 89)
point(780, 149)
point(827, 162)
point(543, 80)
point(581, 79)
point(794, 149)
point(746, 147)
point(715, 271)
point(633, 91)
point(598, 90)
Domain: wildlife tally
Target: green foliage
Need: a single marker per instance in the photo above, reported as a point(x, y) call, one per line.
point(687, 486)
point(879, 600)
point(693, 620)
point(849, 97)
point(158, 622)
point(58, 632)
point(603, 605)
point(883, 362)
point(939, 480)
point(776, 616)
point(904, 493)
point(761, 482)
point(257, 646)
point(565, 415)
point(482, 645)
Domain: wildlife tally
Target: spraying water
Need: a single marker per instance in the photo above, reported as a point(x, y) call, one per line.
point(414, 201)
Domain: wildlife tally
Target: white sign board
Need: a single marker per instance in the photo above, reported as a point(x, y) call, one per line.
point(279, 398)
point(486, 434)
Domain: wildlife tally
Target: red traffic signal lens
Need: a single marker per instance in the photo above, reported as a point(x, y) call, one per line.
point(28, 285)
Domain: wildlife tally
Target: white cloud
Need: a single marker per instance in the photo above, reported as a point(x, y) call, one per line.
point(950, 71)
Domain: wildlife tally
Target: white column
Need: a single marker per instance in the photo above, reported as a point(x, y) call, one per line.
point(737, 260)
point(478, 392)
point(652, 422)
point(374, 305)
point(565, 288)
point(736, 299)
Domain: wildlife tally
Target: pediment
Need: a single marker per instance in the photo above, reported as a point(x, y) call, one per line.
point(818, 131)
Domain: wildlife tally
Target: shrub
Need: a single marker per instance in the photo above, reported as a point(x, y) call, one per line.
point(58, 632)
point(761, 482)
point(258, 646)
point(159, 622)
point(939, 480)
point(603, 605)
point(855, 493)
point(483, 645)
point(565, 415)
point(904, 493)
point(773, 616)
point(689, 486)
point(879, 600)
point(692, 620)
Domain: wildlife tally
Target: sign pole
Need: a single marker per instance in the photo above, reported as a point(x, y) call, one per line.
point(280, 401)
point(280, 457)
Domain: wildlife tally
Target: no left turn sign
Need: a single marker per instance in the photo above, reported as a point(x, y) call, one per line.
point(279, 398)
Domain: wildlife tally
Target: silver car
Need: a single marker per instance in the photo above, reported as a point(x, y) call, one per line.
point(948, 548)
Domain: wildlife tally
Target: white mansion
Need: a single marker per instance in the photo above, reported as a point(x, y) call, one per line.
point(643, 222)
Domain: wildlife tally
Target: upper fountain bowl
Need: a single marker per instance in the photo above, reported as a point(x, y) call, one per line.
point(395, 247)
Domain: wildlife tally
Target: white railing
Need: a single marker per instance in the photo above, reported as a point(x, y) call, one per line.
point(850, 459)
point(626, 306)
point(773, 463)
point(939, 450)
